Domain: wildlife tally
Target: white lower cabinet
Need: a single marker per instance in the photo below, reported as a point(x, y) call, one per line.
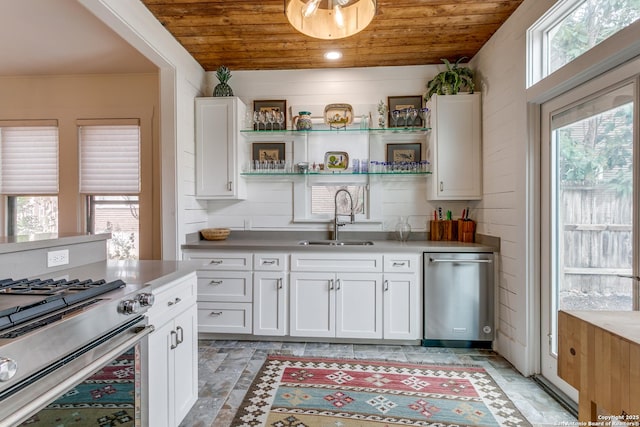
point(270, 299)
point(342, 305)
point(173, 354)
point(402, 297)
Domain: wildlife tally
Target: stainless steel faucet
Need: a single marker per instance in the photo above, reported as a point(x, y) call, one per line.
point(352, 215)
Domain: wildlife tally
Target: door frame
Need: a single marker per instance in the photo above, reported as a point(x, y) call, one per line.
point(543, 111)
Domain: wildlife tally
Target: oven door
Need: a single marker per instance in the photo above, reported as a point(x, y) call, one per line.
point(97, 385)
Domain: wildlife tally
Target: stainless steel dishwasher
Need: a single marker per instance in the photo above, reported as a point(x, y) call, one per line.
point(458, 299)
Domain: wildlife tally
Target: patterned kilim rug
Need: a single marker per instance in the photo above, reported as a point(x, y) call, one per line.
point(313, 392)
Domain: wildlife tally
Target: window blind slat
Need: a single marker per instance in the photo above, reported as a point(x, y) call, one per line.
point(110, 159)
point(29, 160)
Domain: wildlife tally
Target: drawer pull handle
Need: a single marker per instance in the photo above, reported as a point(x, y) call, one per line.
point(175, 301)
point(399, 264)
point(215, 282)
point(268, 262)
point(386, 285)
point(174, 335)
point(216, 261)
point(279, 283)
point(338, 284)
point(180, 335)
point(215, 313)
point(331, 284)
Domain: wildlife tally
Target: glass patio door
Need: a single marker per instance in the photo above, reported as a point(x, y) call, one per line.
point(588, 207)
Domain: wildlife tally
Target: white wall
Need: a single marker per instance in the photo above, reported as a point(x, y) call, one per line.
point(269, 204)
point(501, 64)
point(181, 80)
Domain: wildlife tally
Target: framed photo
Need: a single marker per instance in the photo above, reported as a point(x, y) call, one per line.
point(404, 152)
point(277, 105)
point(402, 103)
point(268, 151)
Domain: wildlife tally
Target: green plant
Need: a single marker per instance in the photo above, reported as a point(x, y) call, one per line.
point(223, 89)
point(450, 81)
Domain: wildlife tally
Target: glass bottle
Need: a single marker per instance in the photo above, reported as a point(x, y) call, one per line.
point(403, 229)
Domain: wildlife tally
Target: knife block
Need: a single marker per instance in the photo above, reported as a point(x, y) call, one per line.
point(443, 230)
point(466, 231)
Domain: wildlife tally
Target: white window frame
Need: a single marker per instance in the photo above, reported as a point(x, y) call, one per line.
point(591, 63)
point(537, 39)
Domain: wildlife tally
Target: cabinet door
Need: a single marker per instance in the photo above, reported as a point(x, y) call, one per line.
point(160, 379)
point(217, 154)
point(185, 364)
point(455, 147)
point(402, 318)
point(312, 306)
point(269, 303)
point(358, 305)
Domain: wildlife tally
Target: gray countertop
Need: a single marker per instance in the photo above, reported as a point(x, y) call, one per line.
point(25, 243)
point(378, 246)
point(134, 273)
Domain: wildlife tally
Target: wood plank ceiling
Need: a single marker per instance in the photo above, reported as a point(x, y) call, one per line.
point(255, 34)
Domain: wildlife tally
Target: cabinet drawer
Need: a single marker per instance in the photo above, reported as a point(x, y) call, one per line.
point(225, 317)
point(336, 262)
point(222, 260)
point(269, 262)
point(406, 263)
point(171, 299)
point(227, 286)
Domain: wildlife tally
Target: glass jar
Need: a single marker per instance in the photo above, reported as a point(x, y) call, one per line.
point(403, 229)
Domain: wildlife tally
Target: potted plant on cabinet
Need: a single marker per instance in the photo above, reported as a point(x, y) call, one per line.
point(450, 81)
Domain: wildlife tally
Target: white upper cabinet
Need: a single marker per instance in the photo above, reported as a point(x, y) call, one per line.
point(454, 148)
point(218, 157)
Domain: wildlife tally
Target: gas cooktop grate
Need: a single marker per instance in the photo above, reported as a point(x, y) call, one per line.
point(56, 295)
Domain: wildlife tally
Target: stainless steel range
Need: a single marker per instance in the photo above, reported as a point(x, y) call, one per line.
point(55, 333)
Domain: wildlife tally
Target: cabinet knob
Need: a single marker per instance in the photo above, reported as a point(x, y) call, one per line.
point(572, 351)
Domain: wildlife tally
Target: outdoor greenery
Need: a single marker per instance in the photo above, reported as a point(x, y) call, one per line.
point(598, 150)
point(591, 23)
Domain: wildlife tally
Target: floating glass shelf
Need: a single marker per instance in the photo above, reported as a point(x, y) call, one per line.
point(396, 173)
point(319, 130)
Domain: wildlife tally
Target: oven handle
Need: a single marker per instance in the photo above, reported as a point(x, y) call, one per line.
point(50, 395)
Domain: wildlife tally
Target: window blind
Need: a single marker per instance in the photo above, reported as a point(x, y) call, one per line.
point(29, 160)
point(110, 159)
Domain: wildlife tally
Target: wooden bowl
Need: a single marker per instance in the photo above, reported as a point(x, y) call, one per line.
point(215, 233)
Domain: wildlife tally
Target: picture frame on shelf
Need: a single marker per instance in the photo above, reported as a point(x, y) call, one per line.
point(268, 151)
point(400, 152)
point(276, 105)
point(402, 103)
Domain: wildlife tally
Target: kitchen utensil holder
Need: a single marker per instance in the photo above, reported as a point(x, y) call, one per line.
point(466, 230)
point(443, 230)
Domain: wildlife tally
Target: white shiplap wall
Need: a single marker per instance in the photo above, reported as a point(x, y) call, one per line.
point(501, 64)
point(269, 204)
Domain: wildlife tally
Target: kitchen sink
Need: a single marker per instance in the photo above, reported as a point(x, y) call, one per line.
point(335, 243)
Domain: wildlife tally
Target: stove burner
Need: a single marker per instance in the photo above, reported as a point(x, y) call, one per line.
point(56, 295)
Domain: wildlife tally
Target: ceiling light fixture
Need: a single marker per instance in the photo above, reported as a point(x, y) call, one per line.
point(330, 19)
point(333, 55)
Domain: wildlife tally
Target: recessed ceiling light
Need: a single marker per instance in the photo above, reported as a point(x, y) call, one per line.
point(333, 55)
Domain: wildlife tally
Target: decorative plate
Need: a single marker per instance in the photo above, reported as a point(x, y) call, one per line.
point(338, 115)
point(336, 160)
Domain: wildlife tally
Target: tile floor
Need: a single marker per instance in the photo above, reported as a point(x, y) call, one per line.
point(227, 368)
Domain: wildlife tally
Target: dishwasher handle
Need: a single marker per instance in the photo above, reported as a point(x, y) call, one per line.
point(453, 260)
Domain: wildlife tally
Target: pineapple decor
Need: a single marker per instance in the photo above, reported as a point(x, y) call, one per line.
point(223, 89)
